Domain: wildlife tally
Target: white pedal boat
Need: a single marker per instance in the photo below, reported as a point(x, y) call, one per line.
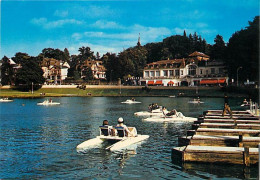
point(6, 100)
point(130, 101)
point(154, 112)
point(173, 118)
point(196, 101)
point(120, 140)
point(48, 103)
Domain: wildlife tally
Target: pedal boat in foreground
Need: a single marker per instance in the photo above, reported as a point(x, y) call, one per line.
point(173, 118)
point(129, 101)
point(120, 140)
point(48, 103)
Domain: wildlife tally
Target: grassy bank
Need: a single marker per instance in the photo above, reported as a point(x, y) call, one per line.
point(123, 91)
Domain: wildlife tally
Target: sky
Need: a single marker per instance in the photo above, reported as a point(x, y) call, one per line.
point(114, 25)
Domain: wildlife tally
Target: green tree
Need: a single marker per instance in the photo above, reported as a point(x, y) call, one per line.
point(7, 72)
point(20, 57)
point(30, 73)
point(243, 51)
point(218, 50)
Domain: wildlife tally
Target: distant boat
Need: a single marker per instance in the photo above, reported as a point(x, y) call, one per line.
point(171, 116)
point(130, 101)
point(196, 101)
point(153, 111)
point(48, 103)
point(6, 100)
point(172, 96)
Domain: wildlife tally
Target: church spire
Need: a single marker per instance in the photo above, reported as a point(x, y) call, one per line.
point(139, 41)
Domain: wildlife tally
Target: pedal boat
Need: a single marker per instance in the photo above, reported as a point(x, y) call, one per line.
point(195, 101)
point(118, 138)
point(154, 112)
point(130, 101)
point(173, 118)
point(48, 103)
point(6, 100)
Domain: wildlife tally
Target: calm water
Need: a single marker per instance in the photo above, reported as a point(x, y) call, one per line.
point(39, 142)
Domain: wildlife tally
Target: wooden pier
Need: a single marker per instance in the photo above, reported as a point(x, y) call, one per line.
point(217, 139)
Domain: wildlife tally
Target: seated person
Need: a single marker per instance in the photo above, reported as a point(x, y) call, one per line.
point(172, 112)
point(121, 124)
point(110, 128)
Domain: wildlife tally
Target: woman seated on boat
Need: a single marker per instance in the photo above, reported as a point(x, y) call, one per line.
point(128, 132)
point(133, 99)
point(172, 112)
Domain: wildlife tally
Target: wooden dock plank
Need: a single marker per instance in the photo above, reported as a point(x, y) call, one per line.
point(227, 132)
point(230, 125)
point(231, 121)
point(209, 154)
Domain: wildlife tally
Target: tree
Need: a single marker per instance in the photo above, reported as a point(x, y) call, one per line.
point(243, 51)
point(218, 50)
point(30, 73)
point(20, 57)
point(66, 55)
point(7, 72)
point(88, 74)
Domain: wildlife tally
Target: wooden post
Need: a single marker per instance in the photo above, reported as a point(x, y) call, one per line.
point(235, 124)
point(246, 156)
point(240, 140)
point(259, 160)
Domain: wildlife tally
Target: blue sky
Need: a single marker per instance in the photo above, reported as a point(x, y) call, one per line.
point(112, 25)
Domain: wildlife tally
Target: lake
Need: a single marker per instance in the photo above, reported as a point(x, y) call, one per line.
point(38, 142)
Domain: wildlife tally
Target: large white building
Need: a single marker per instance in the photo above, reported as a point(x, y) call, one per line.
point(195, 70)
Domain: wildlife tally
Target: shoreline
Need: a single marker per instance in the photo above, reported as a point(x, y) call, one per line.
point(119, 91)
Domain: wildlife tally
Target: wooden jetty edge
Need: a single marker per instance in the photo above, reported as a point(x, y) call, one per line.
point(217, 139)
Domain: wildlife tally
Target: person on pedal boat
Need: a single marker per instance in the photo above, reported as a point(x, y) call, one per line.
point(121, 124)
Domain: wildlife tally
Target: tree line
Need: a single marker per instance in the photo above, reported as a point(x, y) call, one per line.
point(242, 50)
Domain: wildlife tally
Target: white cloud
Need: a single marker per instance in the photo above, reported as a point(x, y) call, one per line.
point(61, 13)
point(99, 11)
point(43, 22)
point(102, 24)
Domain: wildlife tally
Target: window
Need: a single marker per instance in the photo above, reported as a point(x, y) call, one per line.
point(146, 74)
point(171, 72)
point(157, 73)
point(221, 70)
point(177, 72)
point(152, 73)
point(165, 73)
point(201, 71)
point(212, 70)
point(192, 70)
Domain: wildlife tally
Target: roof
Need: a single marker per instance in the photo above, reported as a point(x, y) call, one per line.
point(196, 53)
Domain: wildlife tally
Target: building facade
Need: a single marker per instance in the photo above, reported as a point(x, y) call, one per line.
point(97, 69)
point(54, 71)
point(195, 70)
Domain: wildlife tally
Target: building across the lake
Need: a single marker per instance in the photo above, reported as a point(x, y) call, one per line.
point(197, 69)
point(54, 71)
point(97, 68)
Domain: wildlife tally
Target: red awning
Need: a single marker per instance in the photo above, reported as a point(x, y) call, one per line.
point(212, 81)
point(170, 82)
point(158, 83)
point(150, 83)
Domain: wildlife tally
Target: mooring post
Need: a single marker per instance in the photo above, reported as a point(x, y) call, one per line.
point(246, 156)
point(240, 140)
point(259, 160)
